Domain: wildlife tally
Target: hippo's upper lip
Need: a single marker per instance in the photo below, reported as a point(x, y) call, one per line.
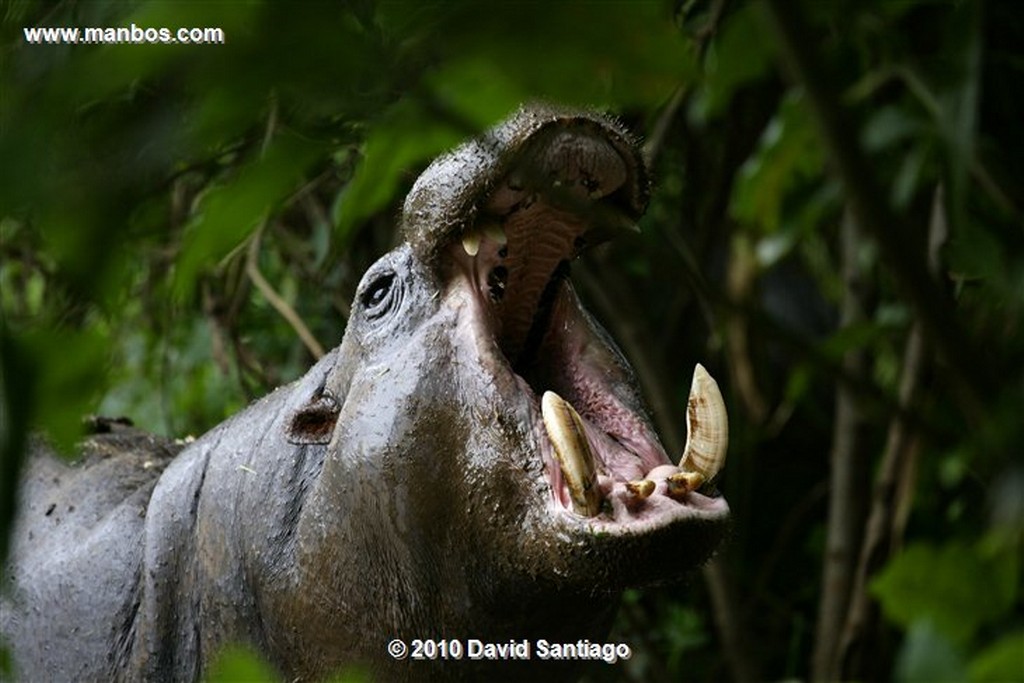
point(566, 191)
point(530, 149)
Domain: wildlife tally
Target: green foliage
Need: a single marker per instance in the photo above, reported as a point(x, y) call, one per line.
point(227, 213)
point(947, 597)
point(958, 587)
point(146, 189)
point(81, 354)
point(928, 656)
point(1001, 661)
point(786, 158)
point(743, 52)
point(238, 664)
point(389, 153)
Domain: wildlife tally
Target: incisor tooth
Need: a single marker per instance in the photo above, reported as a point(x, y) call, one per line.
point(681, 483)
point(707, 427)
point(641, 488)
point(471, 242)
point(565, 429)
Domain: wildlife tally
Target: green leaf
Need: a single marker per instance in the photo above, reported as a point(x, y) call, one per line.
point(956, 586)
point(1001, 661)
point(236, 664)
point(743, 52)
point(587, 53)
point(959, 105)
point(67, 369)
point(908, 178)
point(230, 212)
point(977, 253)
point(6, 665)
point(479, 91)
point(927, 656)
point(352, 676)
point(851, 338)
point(405, 137)
point(888, 126)
point(788, 154)
point(800, 382)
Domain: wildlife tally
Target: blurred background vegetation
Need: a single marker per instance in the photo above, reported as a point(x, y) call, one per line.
point(837, 232)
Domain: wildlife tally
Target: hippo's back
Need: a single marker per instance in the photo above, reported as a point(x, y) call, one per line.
point(71, 590)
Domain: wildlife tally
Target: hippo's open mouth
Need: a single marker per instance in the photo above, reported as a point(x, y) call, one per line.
point(605, 466)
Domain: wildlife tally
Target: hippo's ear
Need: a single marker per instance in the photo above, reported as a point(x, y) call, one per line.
point(313, 423)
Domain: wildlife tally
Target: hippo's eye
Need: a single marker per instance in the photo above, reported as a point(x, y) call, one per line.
point(377, 298)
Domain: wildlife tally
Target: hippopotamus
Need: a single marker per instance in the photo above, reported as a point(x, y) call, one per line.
point(474, 462)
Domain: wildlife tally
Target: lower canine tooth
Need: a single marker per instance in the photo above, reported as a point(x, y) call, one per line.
point(565, 429)
point(640, 488)
point(682, 483)
point(707, 427)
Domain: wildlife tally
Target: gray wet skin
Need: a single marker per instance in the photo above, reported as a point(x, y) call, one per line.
point(405, 486)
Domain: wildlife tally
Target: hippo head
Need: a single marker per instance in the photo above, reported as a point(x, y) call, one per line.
point(488, 460)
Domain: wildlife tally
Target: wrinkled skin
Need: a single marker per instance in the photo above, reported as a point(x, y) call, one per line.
point(405, 486)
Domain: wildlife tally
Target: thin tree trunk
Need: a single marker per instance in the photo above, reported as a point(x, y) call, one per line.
point(893, 490)
point(847, 468)
point(722, 591)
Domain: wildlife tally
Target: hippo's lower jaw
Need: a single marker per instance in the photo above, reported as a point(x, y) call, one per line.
point(606, 471)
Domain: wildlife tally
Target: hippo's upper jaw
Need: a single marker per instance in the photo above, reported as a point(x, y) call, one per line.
point(542, 188)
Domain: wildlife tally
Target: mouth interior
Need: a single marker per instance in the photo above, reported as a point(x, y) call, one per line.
point(567, 195)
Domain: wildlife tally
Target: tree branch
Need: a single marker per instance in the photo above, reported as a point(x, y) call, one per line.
point(893, 486)
point(279, 304)
point(742, 273)
point(847, 468)
point(652, 148)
